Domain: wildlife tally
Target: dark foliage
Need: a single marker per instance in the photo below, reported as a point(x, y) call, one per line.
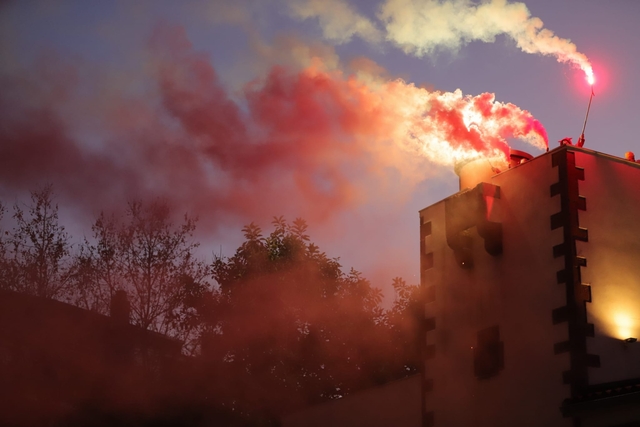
point(292, 328)
point(37, 253)
point(152, 259)
point(283, 327)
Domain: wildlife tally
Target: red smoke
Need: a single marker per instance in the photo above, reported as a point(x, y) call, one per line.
point(301, 142)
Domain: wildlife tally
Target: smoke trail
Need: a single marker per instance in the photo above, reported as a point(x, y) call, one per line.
point(422, 27)
point(338, 20)
point(308, 142)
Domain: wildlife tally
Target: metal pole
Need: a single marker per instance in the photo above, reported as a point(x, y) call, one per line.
point(581, 139)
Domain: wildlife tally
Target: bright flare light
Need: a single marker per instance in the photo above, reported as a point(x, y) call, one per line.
point(447, 127)
point(442, 127)
point(590, 77)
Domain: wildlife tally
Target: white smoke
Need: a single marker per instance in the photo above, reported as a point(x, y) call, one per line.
point(423, 27)
point(338, 20)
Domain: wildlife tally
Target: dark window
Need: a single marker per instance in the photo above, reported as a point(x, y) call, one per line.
point(488, 354)
point(463, 251)
point(429, 419)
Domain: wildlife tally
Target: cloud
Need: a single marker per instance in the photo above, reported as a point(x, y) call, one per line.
point(339, 21)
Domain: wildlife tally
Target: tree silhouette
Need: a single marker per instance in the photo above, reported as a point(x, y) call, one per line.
point(152, 259)
point(39, 248)
point(99, 274)
point(404, 320)
point(284, 327)
point(291, 327)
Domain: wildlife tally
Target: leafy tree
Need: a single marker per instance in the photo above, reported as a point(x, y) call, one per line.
point(153, 260)
point(39, 248)
point(285, 327)
point(404, 321)
point(291, 327)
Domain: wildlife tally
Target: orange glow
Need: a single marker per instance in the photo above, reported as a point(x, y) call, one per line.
point(624, 325)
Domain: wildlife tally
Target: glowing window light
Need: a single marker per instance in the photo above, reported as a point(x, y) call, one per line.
point(624, 325)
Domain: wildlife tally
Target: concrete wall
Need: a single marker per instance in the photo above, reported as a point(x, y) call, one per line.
point(612, 191)
point(516, 291)
point(394, 404)
point(519, 289)
point(624, 415)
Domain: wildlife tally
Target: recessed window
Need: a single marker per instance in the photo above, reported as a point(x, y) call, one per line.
point(488, 354)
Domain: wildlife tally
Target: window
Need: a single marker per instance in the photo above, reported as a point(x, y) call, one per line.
point(488, 354)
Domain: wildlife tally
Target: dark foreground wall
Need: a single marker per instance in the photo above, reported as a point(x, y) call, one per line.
point(61, 365)
point(394, 404)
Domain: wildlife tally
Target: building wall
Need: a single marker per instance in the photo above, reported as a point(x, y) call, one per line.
point(555, 287)
point(62, 365)
point(393, 404)
point(516, 291)
point(620, 415)
point(612, 217)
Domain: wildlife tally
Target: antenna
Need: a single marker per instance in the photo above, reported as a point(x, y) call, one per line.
point(581, 139)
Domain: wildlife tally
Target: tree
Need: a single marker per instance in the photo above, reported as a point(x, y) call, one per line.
point(98, 275)
point(291, 327)
point(4, 261)
point(153, 260)
point(404, 320)
point(39, 248)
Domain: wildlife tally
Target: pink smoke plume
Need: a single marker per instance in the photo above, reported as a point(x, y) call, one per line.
point(307, 141)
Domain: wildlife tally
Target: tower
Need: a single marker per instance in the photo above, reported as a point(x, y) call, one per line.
point(531, 279)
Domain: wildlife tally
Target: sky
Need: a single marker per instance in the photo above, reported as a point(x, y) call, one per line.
point(348, 114)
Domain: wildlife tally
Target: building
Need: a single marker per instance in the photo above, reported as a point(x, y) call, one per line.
point(62, 365)
point(532, 284)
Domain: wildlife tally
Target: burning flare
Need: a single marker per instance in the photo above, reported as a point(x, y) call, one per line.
point(591, 79)
point(447, 127)
point(442, 127)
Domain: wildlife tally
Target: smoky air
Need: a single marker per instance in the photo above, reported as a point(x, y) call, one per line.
point(136, 141)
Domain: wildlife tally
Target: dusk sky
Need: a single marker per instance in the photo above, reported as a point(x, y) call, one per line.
point(342, 112)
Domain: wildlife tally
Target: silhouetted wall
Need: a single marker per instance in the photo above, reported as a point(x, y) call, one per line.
point(60, 363)
point(394, 404)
